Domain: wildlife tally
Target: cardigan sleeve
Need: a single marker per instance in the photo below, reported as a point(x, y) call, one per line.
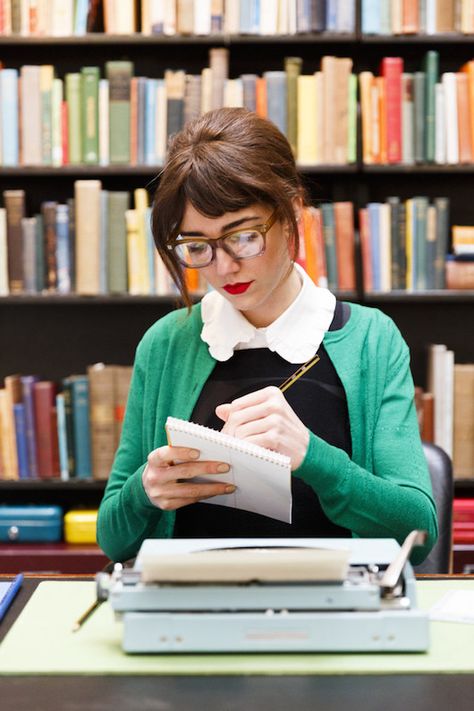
point(126, 515)
point(395, 497)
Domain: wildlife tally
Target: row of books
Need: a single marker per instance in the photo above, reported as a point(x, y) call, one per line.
point(67, 431)
point(125, 119)
point(411, 17)
point(417, 117)
point(96, 243)
point(463, 521)
point(62, 18)
point(403, 244)
point(93, 244)
point(446, 408)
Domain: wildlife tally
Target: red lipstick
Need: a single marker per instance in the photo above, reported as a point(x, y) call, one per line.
point(238, 288)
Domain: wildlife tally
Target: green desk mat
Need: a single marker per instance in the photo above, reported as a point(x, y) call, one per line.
point(41, 642)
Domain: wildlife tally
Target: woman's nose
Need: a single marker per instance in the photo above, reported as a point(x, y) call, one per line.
point(225, 264)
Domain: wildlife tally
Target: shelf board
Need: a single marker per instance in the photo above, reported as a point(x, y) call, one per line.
point(42, 171)
point(100, 38)
point(464, 485)
point(78, 299)
point(435, 296)
point(418, 169)
point(71, 485)
point(446, 38)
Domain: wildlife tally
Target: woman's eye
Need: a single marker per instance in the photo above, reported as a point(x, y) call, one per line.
point(197, 248)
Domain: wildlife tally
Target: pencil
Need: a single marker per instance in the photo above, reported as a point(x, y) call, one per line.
point(298, 373)
point(78, 624)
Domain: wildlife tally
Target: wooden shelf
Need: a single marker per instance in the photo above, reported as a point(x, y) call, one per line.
point(435, 296)
point(100, 38)
point(86, 171)
point(72, 485)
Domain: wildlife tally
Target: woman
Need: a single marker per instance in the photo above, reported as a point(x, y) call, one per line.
point(228, 203)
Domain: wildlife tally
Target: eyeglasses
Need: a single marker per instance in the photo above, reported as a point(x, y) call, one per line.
point(196, 253)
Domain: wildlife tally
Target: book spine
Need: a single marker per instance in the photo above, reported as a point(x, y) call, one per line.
point(442, 236)
point(14, 201)
point(419, 93)
point(327, 210)
point(74, 127)
point(9, 117)
point(119, 74)
point(87, 238)
point(392, 70)
point(27, 382)
point(21, 443)
point(63, 250)
point(44, 396)
point(431, 69)
point(50, 241)
point(277, 99)
point(90, 114)
point(80, 408)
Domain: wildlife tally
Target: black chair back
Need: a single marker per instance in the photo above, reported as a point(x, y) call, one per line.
point(441, 473)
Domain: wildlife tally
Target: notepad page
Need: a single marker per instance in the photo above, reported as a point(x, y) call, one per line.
point(262, 477)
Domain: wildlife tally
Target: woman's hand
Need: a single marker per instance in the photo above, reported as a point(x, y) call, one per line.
point(167, 484)
point(264, 417)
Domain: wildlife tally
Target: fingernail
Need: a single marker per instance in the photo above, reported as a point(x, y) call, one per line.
point(223, 468)
point(194, 453)
point(229, 489)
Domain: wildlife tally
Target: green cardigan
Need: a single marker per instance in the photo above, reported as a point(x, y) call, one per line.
point(383, 491)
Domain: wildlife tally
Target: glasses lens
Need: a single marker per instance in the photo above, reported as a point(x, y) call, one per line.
point(248, 243)
point(194, 254)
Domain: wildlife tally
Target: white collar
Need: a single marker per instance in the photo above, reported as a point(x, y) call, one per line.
point(295, 335)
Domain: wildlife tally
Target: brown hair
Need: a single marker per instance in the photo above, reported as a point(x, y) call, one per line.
point(224, 161)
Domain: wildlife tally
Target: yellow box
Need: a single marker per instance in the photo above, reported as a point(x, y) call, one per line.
point(80, 526)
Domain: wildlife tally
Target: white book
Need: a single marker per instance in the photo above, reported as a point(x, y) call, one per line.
point(408, 120)
point(233, 93)
point(345, 16)
point(4, 290)
point(385, 248)
point(448, 402)
point(440, 127)
point(169, 26)
point(104, 128)
point(448, 80)
point(124, 17)
point(202, 17)
point(30, 114)
point(262, 477)
point(56, 123)
point(431, 7)
point(396, 17)
point(268, 17)
point(62, 18)
point(436, 385)
point(291, 18)
point(306, 148)
point(282, 23)
point(232, 17)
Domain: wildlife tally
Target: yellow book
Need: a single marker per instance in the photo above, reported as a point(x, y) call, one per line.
point(88, 217)
point(306, 144)
point(135, 255)
point(141, 205)
point(8, 397)
point(365, 84)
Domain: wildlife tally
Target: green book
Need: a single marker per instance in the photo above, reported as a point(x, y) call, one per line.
point(119, 74)
point(117, 279)
point(419, 80)
point(293, 70)
point(46, 88)
point(73, 98)
point(329, 232)
point(90, 114)
point(421, 213)
point(431, 70)
point(442, 239)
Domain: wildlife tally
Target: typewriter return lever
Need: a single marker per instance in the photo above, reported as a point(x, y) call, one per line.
point(391, 578)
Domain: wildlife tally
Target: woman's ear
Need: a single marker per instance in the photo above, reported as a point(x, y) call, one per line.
point(298, 207)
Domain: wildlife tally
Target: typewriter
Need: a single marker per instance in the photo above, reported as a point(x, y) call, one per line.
point(269, 595)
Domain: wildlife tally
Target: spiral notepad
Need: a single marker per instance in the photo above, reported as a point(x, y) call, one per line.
point(262, 477)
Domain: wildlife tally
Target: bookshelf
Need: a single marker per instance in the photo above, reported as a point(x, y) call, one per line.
point(60, 334)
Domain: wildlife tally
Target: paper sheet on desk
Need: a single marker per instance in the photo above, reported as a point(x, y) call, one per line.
point(262, 477)
point(455, 606)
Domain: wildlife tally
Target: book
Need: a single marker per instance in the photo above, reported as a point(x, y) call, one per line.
point(46, 430)
point(14, 201)
point(463, 421)
point(119, 74)
point(87, 250)
point(262, 477)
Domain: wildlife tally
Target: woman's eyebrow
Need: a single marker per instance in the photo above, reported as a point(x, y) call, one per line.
point(225, 228)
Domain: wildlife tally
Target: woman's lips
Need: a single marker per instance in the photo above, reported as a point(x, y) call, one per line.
point(238, 288)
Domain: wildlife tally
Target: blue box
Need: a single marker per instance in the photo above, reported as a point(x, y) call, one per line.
point(31, 523)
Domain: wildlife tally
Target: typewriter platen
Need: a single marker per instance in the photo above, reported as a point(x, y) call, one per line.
point(269, 595)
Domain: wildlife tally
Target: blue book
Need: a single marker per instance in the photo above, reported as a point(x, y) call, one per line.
point(21, 445)
point(151, 87)
point(63, 265)
point(245, 18)
point(80, 17)
point(277, 91)
point(27, 382)
point(9, 116)
point(371, 17)
point(374, 229)
point(80, 419)
point(331, 16)
point(62, 436)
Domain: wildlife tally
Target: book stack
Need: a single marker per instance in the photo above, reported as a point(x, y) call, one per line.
point(327, 245)
point(417, 117)
point(411, 17)
point(460, 265)
point(122, 119)
point(73, 433)
point(463, 521)
point(404, 244)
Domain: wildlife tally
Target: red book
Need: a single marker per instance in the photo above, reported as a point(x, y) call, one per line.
point(391, 68)
point(46, 429)
point(463, 511)
point(345, 245)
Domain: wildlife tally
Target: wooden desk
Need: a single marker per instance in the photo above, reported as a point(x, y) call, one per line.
point(422, 692)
